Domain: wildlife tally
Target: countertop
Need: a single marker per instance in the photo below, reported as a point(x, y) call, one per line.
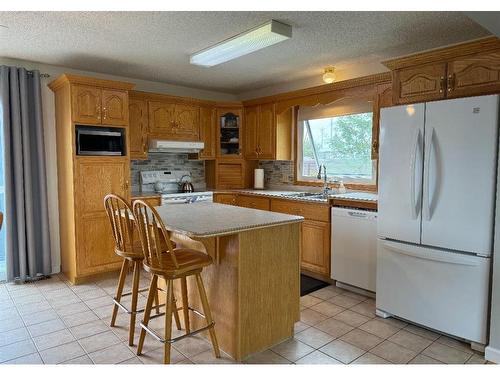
point(207, 219)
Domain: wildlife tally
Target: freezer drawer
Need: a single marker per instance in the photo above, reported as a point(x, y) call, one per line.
point(442, 290)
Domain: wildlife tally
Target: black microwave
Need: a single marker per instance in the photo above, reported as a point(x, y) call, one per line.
point(98, 140)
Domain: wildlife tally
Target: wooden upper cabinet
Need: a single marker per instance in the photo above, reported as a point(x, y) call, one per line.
point(174, 121)
point(161, 118)
point(418, 84)
point(187, 122)
point(86, 104)
point(94, 105)
point(474, 75)
point(138, 128)
point(114, 107)
point(266, 134)
point(251, 130)
point(208, 132)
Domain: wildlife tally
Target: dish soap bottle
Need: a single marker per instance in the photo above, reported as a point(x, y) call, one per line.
point(342, 189)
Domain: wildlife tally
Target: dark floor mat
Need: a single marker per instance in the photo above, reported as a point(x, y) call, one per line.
point(309, 285)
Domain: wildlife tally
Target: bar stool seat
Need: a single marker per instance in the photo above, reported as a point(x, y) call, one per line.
point(187, 260)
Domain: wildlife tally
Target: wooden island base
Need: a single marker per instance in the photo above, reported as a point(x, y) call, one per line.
point(253, 287)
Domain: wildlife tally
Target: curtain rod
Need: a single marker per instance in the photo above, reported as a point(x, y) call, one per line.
point(42, 75)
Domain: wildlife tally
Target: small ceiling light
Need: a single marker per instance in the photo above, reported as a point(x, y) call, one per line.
point(329, 75)
point(260, 37)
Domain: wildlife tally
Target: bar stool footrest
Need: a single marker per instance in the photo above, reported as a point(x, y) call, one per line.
point(153, 333)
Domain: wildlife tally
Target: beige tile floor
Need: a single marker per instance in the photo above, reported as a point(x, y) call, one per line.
point(53, 322)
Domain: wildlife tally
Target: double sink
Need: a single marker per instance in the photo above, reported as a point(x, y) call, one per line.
point(316, 197)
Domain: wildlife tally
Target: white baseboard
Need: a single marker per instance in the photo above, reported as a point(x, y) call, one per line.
point(56, 269)
point(492, 354)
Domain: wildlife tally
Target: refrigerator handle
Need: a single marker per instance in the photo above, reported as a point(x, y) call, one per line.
point(413, 160)
point(427, 165)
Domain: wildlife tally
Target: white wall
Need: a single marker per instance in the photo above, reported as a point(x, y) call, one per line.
point(50, 136)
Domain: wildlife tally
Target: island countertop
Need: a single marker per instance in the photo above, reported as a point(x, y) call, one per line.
point(206, 219)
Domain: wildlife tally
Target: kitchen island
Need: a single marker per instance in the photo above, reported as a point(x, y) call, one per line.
point(253, 286)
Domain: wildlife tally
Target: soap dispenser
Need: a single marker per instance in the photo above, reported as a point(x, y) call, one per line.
point(342, 189)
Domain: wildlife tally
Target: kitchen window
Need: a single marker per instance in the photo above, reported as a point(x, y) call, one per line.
point(339, 137)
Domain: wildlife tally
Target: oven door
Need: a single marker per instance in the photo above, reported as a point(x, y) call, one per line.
point(93, 140)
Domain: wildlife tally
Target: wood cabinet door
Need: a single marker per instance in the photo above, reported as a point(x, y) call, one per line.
point(95, 244)
point(161, 119)
point(251, 129)
point(230, 175)
point(474, 75)
point(315, 256)
point(266, 134)
point(226, 199)
point(96, 179)
point(187, 122)
point(86, 104)
point(259, 203)
point(138, 126)
point(208, 132)
point(115, 107)
point(419, 84)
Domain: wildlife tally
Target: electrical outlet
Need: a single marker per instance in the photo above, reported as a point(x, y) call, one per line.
point(284, 178)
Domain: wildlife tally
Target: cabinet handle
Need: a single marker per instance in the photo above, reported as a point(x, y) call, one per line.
point(98, 110)
point(451, 82)
point(441, 84)
point(105, 113)
point(125, 185)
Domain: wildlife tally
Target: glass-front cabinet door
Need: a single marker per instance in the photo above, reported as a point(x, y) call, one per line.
point(229, 132)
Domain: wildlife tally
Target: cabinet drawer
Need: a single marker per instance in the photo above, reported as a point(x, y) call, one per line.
point(259, 203)
point(312, 211)
point(225, 199)
point(153, 201)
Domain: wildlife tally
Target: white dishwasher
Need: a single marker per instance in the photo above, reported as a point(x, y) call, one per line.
point(354, 247)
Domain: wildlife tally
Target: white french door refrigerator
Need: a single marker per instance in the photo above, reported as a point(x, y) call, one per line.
point(437, 183)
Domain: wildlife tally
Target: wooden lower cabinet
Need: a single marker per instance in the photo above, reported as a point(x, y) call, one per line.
point(315, 256)
point(153, 201)
point(230, 199)
point(94, 241)
point(95, 244)
point(259, 203)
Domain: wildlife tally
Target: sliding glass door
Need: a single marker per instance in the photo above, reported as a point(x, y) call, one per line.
point(3, 268)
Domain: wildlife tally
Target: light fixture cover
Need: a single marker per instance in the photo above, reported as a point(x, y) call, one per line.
point(329, 75)
point(260, 37)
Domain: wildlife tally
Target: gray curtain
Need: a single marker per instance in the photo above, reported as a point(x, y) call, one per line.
point(26, 209)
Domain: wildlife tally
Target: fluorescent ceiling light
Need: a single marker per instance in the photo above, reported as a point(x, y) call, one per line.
point(260, 37)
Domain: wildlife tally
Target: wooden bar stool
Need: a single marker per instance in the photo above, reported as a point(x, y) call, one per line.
point(170, 265)
point(129, 248)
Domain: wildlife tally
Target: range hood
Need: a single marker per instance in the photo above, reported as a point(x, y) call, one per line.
point(177, 147)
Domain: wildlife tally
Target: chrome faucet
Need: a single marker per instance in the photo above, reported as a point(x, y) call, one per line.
point(326, 189)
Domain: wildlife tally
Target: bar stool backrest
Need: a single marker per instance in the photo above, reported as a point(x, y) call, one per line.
point(122, 224)
point(155, 239)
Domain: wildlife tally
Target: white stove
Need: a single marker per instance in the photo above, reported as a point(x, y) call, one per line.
point(167, 183)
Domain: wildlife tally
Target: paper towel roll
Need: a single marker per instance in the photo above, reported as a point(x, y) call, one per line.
point(258, 179)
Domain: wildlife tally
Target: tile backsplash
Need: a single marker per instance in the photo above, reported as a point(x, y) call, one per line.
point(277, 172)
point(164, 161)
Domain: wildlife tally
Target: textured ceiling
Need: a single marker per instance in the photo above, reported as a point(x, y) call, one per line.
point(156, 45)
